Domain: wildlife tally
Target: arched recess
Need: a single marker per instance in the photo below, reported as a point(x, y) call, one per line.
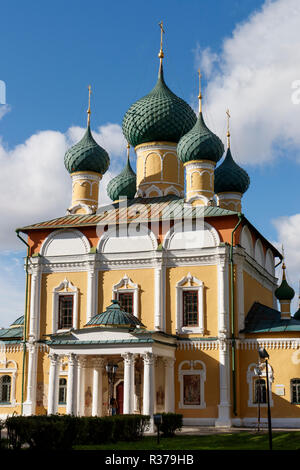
point(246, 240)
point(133, 238)
point(65, 242)
point(153, 167)
point(259, 253)
point(270, 264)
point(188, 235)
point(170, 167)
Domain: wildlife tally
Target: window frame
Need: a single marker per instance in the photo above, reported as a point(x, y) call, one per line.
point(125, 285)
point(126, 293)
point(61, 297)
point(184, 292)
point(64, 387)
point(251, 377)
point(2, 385)
point(189, 283)
point(64, 288)
point(192, 371)
point(297, 392)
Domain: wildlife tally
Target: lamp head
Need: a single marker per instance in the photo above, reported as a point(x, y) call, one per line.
point(263, 353)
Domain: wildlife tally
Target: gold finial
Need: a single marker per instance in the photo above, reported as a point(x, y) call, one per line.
point(128, 151)
point(228, 132)
point(200, 93)
point(283, 265)
point(162, 31)
point(89, 108)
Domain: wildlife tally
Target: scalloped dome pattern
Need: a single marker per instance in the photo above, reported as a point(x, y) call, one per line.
point(123, 185)
point(87, 155)
point(230, 177)
point(158, 116)
point(200, 144)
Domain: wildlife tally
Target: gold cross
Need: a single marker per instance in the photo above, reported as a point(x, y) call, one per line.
point(228, 132)
point(162, 31)
point(200, 94)
point(89, 108)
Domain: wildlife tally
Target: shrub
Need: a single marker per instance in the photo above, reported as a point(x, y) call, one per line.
point(61, 432)
point(171, 422)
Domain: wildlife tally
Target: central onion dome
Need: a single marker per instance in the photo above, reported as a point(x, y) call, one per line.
point(159, 116)
point(87, 155)
point(124, 184)
point(200, 143)
point(230, 177)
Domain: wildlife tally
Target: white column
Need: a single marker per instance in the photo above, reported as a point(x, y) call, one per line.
point(97, 387)
point(132, 385)
point(91, 307)
point(53, 385)
point(71, 385)
point(149, 384)
point(224, 407)
point(169, 385)
point(128, 391)
point(82, 363)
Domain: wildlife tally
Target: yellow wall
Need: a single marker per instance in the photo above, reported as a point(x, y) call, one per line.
point(207, 274)
point(144, 278)
point(255, 292)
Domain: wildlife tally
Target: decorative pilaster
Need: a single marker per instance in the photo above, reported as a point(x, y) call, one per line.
point(169, 385)
point(34, 315)
point(223, 304)
point(240, 295)
point(92, 277)
point(53, 384)
point(72, 385)
point(224, 419)
point(158, 298)
point(30, 403)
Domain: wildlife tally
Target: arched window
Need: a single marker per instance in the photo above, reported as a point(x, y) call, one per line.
point(260, 391)
point(5, 389)
point(62, 391)
point(295, 391)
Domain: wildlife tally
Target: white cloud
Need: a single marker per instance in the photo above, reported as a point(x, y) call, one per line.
point(4, 109)
point(34, 182)
point(254, 76)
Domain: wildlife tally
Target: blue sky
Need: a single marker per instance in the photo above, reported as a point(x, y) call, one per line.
point(247, 50)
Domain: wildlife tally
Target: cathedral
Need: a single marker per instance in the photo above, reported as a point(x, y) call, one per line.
point(161, 300)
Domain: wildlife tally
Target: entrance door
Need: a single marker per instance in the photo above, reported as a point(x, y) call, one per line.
point(120, 397)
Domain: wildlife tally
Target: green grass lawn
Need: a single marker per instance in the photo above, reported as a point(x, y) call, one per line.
point(234, 441)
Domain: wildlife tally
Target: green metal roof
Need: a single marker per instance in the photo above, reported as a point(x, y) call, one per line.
point(139, 209)
point(114, 316)
point(18, 321)
point(87, 155)
point(7, 333)
point(263, 319)
point(230, 177)
point(160, 115)
point(200, 143)
point(123, 185)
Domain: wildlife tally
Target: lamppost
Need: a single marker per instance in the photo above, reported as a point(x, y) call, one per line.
point(265, 356)
point(258, 372)
point(111, 370)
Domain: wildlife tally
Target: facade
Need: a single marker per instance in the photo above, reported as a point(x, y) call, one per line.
point(171, 283)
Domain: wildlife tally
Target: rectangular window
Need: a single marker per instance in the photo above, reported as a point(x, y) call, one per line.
point(191, 390)
point(260, 391)
point(190, 308)
point(295, 383)
point(65, 315)
point(126, 301)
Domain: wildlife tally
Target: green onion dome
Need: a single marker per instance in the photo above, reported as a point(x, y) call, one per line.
point(230, 177)
point(123, 185)
point(159, 116)
point(115, 317)
point(87, 155)
point(200, 144)
point(284, 291)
